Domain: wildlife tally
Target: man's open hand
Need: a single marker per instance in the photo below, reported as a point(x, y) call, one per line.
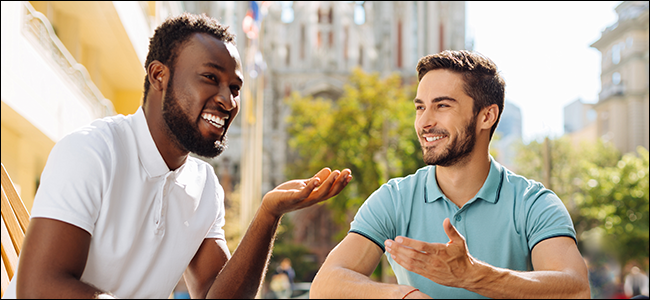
point(448, 264)
point(296, 194)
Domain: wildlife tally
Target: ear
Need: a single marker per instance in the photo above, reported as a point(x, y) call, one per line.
point(488, 116)
point(158, 75)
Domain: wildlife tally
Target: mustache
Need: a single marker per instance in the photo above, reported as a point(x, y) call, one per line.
point(433, 131)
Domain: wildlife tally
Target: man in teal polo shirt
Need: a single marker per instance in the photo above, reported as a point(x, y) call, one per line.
point(464, 226)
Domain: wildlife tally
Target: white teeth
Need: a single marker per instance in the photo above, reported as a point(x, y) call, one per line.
point(431, 139)
point(214, 120)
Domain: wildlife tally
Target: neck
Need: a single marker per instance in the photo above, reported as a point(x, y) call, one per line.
point(462, 181)
point(172, 153)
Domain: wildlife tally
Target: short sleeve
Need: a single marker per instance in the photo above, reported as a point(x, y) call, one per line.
point(216, 231)
point(376, 218)
point(548, 218)
point(74, 179)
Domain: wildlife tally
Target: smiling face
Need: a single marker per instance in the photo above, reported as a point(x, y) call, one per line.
point(202, 96)
point(444, 121)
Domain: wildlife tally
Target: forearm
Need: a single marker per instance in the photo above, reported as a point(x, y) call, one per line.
point(56, 287)
point(242, 275)
point(496, 282)
point(339, 282)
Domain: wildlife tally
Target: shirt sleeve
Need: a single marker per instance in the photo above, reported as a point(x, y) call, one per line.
point(216, 231)
point(74, 180)
point(376, 218)
point(548, 218)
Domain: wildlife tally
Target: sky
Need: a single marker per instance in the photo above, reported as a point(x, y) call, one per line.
point(542, 51)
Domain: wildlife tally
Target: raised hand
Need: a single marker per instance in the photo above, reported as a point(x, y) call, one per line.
point(296, 194)
point(448, 264)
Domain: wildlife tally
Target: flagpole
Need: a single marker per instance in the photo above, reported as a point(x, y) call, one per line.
point(252, 124)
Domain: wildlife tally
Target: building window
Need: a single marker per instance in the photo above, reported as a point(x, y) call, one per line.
point(616, 78)
point(616, 54)
point(302, 41)
point(399, 44)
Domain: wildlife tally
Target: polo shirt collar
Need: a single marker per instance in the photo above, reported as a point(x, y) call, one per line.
point(150, 158)
point(489, 191)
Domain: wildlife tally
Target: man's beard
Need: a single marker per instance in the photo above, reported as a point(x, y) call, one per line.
point(455, 152)
point(186, 132)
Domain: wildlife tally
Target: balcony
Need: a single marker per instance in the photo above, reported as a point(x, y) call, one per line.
point(611, 90)
point(41, 81)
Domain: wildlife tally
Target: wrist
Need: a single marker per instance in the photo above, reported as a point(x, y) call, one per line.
point(402, 291)
point(480, 274)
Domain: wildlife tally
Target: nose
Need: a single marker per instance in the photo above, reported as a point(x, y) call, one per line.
point(425, 120)
point(225, 99)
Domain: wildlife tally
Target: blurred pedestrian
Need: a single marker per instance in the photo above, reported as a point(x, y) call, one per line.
point(282, 281)
point(636, 283)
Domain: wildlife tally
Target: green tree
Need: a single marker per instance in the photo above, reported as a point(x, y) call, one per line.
point(615, 200)
point(369, 130)
point(605, 193)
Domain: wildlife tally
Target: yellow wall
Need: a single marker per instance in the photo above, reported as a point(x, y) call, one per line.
point(24, 153)
point(127, 102)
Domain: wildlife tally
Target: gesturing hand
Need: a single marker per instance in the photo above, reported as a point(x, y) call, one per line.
point(296, 194)
point(448, 264)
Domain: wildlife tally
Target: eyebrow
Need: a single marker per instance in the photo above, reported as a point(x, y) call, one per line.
point(437, 99)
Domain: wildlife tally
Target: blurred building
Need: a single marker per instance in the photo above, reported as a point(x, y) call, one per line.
point(311, 48)
point(622, 106)
point(314, 52)
point(64, 64)
point(580, 121)
point(509, 133)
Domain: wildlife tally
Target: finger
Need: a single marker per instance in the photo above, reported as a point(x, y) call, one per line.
point(411, 243)
point(451, 232)
point(323, 174)
point(310, 185)
point(409, 258)
point(341, 182)
point(327, 184)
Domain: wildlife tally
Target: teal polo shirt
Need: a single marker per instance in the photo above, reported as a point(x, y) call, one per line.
point(501, 224)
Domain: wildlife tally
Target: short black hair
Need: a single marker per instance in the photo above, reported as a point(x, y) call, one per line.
point(482, 81)
point(170, 36)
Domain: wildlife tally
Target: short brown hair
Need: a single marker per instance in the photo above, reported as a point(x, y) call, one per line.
point(482, 81)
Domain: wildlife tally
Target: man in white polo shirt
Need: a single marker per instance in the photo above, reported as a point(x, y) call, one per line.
point(124, 211)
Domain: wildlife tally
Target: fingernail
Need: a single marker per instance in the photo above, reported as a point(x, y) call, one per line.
point(388, 243)
point(399, 239)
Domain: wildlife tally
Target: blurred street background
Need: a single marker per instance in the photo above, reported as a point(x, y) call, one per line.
point(331, 83)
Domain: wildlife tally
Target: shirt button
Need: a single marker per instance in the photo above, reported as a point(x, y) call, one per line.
point(458, 218)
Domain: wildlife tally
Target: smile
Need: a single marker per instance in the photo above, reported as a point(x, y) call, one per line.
point(214, 120)
point(433, 138)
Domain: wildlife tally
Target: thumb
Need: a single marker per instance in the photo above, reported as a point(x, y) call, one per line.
point(451, 232)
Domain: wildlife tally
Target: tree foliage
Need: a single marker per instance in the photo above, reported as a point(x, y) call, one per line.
point(369, 130)
point(606, 193)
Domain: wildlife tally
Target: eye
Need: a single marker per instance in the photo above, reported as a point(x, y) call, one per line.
point(211, 77)
point(441, 105)
point(419, 107)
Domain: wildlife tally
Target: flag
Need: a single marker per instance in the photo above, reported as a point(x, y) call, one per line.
point(251, 22)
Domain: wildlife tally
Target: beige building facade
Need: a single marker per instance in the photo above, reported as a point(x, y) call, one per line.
point(622, 108)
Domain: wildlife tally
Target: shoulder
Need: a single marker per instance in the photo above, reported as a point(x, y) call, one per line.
point(409, 181)
point(527, 189)
point(101, 131)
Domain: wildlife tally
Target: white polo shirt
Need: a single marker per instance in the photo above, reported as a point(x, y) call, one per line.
point(146, 221)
